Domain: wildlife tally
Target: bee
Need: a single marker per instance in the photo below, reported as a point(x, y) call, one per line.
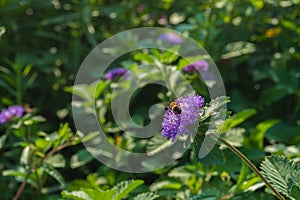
point(175, 108)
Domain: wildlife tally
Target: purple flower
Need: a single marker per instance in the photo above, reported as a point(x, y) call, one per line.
point(200, 65)
point(140, 8)
point(11, 112)
point(115, 73)
point(174, 124)
point(171, 38)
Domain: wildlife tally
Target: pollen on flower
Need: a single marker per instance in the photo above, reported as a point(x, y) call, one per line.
point(175, 125)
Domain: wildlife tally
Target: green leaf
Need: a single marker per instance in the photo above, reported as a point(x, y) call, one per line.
point(272, 94)
point(43, 144)
point(97, 194)
point(55, 174)
point(80, 158)
point(24, 156)
point(76, 195)
point(156, 144)
point(2, 31)
point(284, 133)
point(283, 174)
point(56, 160)
point(165, 184)
point(257, 135)
point(2, 140)
point(79, 90)
point(236, 49)
point(170, 55)
point(215, 155)
point(123, 188)
point(146, 196)
point(238, 118)
point(243, 175)
point(234, 136)
point(143, 57)
point(214, 107)
point(204, 196)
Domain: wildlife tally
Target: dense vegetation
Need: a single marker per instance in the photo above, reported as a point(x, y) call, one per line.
point(255, 44)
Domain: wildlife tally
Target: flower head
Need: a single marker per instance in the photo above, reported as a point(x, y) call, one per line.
point(171, 38)
point(174, 124)
point(200, 65)
point(115, 73)
point(11, 112)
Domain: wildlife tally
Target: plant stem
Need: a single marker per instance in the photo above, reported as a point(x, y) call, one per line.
point(22, 186)
point(55, 150)
point(248, 162)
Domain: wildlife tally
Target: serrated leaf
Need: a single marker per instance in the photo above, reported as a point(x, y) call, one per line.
point(76, 195)
point(55, 174)
point(123, 188)
point(146, 196)
point(283, 174)
point(216, 109)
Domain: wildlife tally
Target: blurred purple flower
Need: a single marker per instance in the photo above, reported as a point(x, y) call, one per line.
point(11, 112)
point(116, 73)
point(140, 8)
point(171, 38)
point(200, 65)
point(175, 125)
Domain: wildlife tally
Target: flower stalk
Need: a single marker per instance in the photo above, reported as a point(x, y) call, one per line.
point(248, 162)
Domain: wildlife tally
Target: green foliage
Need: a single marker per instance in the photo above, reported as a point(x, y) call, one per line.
point(146, 196)
point(255, 45)
point(284, 175)
point(118, 192)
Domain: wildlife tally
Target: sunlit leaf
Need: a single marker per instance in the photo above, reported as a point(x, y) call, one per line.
point(76, 195)
point(55, 174)
point(125, 187)
point(146, 196)
point(80, 158)
point(283, 174)
point(56, 160)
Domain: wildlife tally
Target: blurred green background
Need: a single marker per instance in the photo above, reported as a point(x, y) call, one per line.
point(254, 43)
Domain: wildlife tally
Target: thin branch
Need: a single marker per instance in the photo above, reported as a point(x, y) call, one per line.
point(249, 163)
point(50, 153)
point(22, 186)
